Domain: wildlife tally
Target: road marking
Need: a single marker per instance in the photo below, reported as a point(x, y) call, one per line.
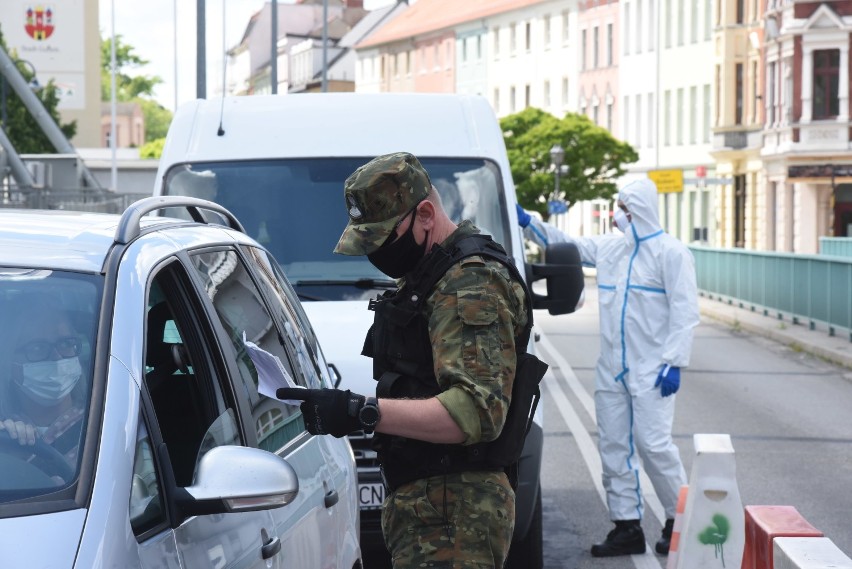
point(588, 448)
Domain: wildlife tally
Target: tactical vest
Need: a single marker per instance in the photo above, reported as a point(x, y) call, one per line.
point(401, 348)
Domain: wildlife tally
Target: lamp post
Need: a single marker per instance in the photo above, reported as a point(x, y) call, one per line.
point(557, 155)
point(33, 85)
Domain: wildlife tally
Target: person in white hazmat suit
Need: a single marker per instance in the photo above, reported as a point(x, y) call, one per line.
point(648, 309)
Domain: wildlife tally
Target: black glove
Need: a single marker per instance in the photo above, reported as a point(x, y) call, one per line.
point(327, 411)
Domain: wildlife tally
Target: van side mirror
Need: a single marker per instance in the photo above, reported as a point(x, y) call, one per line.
point(563, 274)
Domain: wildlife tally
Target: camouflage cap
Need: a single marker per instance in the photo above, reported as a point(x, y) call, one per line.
point(377, 194)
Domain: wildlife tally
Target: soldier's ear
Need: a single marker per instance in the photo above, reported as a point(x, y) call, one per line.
point(426, 214)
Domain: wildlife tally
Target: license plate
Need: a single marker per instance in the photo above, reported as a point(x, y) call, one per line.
point(371, 496)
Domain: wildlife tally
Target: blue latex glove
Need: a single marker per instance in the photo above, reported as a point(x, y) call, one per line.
point(668, 380)
point(523, 216)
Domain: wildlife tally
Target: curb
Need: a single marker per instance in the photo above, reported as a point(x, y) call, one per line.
point(798, 337)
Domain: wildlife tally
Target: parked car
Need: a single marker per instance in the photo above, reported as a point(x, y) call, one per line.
point(279, 163)
point(133, 432)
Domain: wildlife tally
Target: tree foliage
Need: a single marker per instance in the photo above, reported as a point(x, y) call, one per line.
point(21, 127)
point(133, 88)
point(593, 157)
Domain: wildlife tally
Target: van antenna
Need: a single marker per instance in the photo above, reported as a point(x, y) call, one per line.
point(221, 131)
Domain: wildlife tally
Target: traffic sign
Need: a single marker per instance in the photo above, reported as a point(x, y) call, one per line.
point(667, 181)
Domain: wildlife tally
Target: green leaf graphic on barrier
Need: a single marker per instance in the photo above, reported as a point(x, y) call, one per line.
point(716, 535)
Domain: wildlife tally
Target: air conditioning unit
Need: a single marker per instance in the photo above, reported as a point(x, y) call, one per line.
point(40, 173)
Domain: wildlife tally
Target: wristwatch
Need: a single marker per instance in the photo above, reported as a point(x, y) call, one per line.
point(369, 415)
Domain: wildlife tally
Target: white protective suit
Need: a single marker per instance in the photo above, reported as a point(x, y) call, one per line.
point(648, 309)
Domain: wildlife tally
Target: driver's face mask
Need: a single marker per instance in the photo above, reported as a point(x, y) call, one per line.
point(49, 381)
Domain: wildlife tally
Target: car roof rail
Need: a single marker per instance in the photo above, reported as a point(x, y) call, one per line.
point(129, 226)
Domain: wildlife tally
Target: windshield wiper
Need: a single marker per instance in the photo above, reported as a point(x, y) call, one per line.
point(365, 283)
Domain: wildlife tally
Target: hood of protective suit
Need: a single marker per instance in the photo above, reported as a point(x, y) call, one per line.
point(640, 198)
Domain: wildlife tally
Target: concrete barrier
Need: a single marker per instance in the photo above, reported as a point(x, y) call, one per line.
point(766, 523)
point(808, 553)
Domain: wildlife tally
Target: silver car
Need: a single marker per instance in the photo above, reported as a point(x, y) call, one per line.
point(134, 431)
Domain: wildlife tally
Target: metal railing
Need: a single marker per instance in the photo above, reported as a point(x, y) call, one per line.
point(836, 246)
point(812, 288)
point(71, 199)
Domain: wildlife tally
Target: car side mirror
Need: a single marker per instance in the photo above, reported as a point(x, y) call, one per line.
point(563, 274)
point(239, 479)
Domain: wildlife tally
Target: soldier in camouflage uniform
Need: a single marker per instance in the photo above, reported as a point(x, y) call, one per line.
point(454, 515)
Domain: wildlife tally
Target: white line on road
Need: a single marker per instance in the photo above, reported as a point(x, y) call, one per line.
point(588, 449)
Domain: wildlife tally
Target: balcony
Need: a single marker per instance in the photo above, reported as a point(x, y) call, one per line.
point(736, 139)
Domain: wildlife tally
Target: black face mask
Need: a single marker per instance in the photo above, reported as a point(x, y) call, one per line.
point(396, 258)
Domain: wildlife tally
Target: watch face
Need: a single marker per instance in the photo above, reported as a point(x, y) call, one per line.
point(369, 415)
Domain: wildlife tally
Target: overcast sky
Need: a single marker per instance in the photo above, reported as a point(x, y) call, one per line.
point(148, 26)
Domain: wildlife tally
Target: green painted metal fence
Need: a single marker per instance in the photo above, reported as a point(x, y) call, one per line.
point(836, 246)
point(812, 288)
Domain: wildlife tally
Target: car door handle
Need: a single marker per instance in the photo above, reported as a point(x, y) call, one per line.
point(331, 498)
point(270, 548)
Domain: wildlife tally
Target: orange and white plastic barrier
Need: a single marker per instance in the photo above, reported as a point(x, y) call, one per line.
point(671, 562)
point(712, 534)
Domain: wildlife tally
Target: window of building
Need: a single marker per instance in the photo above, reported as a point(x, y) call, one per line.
point(626, 28)
point(609, 116)
point(693, 21)
point(547, 100)
point(565, 98)
point(625, 134)
point(669, 23)
point(479, 47)
point(667, 113)
point(546, 25)
point(638, 134)
point(681, 20)
point(496, 37)
point(497, 100)
point(740, 11)
point(638, 26)
point(770, 92)
point(566, 26)
point(463, 43)
point(513, 39)
point(826, 103)
point(609, 40)
point(528, 36)
point(739, 95)
point(755, 95)
point(448, 60)
point(595, 113)
point(693, 115)
point(679, 120)
point(526, 96)
point(436, 57)
point(595, 61)
point(652, 27)
point(708, 17)
point(707, 112)
point(513, 100)
point(408, 65)
point(583, 50)
point(651, 121)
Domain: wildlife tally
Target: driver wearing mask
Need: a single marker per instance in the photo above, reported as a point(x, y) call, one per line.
point(41, 401)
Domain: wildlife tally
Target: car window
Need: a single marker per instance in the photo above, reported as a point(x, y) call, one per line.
point(146, 500)
point(243, 313)
point(184, 376)
point(47, 337)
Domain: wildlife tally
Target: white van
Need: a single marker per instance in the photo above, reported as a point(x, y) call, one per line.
point(279, 163)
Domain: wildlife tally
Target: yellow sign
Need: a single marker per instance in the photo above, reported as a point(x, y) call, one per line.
point(667, 181)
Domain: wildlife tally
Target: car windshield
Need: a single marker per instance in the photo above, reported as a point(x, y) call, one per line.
point(46, 343)
point(295, 208)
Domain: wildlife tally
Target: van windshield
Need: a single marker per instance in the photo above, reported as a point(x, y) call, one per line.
point(295, 208)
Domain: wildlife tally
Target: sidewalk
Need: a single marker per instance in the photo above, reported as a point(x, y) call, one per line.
point(835, 349)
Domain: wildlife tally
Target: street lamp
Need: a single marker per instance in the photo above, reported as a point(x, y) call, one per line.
point(33, 85)
point(557, 155)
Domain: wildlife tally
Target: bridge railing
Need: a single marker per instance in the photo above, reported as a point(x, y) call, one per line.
point(816, 289)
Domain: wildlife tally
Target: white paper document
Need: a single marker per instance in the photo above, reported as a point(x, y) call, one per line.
point(271, 373)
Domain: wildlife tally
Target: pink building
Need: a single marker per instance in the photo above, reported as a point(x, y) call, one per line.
point(598, 52)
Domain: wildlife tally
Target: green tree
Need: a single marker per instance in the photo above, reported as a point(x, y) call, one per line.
point(593, 157)
point(22, 129)
point(133, 88)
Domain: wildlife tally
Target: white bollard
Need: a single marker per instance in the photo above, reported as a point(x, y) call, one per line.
point(713, 532)
point(808, 553)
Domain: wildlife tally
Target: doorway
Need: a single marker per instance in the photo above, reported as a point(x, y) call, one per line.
point(843, 210)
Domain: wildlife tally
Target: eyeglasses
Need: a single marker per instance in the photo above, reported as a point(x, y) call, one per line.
point(40, 350)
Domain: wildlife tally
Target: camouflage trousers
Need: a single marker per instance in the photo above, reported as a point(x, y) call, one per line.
point(456, 521)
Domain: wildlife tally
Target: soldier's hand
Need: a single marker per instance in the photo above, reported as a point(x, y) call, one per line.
point(327, 411)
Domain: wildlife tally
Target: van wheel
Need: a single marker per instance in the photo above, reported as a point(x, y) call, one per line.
point(528, 552)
